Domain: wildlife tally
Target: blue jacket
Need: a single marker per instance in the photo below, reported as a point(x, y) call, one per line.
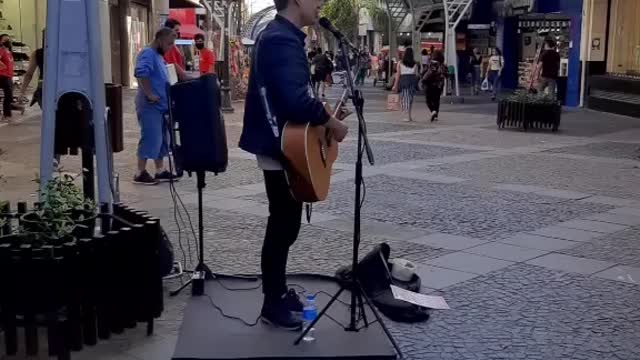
point(285, 73)
point(150, 65)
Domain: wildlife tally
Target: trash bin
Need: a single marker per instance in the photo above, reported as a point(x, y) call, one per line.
point(113, 93)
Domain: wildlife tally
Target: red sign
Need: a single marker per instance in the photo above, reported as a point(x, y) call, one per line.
point(185, 16)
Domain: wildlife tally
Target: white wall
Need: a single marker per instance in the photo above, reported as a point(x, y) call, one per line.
point(20, 15)
point(160, 14)
point(106, 38)
point(28, 19)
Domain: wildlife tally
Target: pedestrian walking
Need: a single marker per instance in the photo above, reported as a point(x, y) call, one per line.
point(476, 71)
point(496, 65)
point(433, 81)
point(321, 66)
point(406, 81)
point(36, 62)
point(425, 58)
point(6, 75)
point(548, 68)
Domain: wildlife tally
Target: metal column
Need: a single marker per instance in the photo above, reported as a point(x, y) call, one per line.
point(454, 11)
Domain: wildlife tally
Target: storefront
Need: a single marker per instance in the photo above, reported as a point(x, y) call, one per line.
point(25, 20)
point(522, 26)
point(533, 30)
point(612, 56)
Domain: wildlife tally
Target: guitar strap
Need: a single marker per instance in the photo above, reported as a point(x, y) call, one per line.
point(271, 117)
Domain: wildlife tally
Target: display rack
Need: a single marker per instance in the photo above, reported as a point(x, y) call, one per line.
point(532, 30)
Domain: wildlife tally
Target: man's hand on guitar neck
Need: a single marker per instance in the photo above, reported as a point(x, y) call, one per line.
point(339, 129)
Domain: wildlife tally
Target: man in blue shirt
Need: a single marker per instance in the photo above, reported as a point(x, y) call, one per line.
point(281, 69)
point(151, 105)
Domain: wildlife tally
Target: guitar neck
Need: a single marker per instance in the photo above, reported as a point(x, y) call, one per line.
point(340, 103)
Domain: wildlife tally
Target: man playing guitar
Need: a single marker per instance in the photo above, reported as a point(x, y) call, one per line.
point(279, 91)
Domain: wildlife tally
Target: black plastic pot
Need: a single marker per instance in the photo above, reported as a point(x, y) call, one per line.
point(528, 115)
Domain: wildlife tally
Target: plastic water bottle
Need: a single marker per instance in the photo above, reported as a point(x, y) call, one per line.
point(309, 313)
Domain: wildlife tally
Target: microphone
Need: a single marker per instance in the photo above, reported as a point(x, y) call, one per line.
point(326, 23)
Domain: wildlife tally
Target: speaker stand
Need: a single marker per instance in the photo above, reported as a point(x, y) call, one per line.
point(202, 271)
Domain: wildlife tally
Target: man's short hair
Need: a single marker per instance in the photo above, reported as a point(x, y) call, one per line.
point(550, 43)
point(172, 23)
point(198, 37)
point(281, 4)
point(164, 33)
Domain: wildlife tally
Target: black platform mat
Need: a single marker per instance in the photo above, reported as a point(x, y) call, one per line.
point(206, 334)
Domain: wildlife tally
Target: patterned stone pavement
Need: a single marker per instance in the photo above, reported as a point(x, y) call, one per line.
point(533, 238)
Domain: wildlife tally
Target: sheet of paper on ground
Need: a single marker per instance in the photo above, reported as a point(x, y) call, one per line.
point(432, 302)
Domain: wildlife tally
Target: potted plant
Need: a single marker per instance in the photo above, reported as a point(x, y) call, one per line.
point(61, 211)
point(525, 109)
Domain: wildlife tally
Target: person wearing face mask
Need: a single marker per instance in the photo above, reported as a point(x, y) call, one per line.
point(6, 75)
point(207, 57)
point(151, 106)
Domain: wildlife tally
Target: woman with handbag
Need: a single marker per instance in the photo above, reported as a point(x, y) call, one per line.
point(433, 81)
point(406, 81)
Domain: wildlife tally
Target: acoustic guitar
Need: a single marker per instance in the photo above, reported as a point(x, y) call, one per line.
point(311, 151)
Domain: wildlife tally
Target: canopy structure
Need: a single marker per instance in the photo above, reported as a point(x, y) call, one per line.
point(189, 31)
point(183, 4)
point(432, 15)
point(257, 23)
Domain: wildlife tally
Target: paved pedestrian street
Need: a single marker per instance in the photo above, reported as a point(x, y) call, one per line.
point(533, 238)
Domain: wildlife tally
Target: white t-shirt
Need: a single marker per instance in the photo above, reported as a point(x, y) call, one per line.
point(268, 163)
point(496, 63)
point(405, 70)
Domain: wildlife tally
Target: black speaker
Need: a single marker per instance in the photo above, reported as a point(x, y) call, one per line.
point(195, 108)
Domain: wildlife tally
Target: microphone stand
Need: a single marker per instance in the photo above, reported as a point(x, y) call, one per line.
point(357, 292)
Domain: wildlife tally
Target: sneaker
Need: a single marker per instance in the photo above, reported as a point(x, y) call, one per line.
point(166, 176)
point(434, 116)
point(144, 178)
point(276, 313)
point(292, 301)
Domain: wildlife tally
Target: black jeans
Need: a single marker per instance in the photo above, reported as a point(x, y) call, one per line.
point(6, 84)
point(283, 227)
point(433, 98)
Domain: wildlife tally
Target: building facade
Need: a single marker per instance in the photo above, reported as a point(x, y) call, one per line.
point(522, 26)
point(125, 29)
point(611, 56)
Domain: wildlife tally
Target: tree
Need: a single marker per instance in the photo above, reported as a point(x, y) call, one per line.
point(344, 14)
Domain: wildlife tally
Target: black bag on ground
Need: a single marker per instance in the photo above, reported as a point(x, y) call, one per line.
point(375, 278)
point(166, 254)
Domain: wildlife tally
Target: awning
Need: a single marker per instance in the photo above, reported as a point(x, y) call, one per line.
point(181, 4)
point(189, 31)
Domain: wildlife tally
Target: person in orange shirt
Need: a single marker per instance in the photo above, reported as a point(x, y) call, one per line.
point(6, 75)
point(207, 57)
point(174, 56)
